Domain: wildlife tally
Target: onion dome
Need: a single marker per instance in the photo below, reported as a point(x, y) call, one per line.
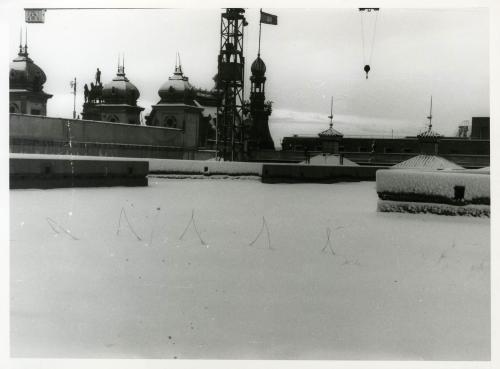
point(258, 67)
point(330, 132)
point(24, 74)
point(177, 88)
point(120, 90)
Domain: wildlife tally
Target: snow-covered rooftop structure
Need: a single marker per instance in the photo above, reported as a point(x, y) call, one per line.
point(330, 132)
point(429, 148)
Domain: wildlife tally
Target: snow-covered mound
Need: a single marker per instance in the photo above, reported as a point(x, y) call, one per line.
point(434, 183)
point(427, 162)
point(449, 192)
point(326, 159)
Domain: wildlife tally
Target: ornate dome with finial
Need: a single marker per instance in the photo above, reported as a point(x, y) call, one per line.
point(24, 74)
point(177, 88)
point(258, 67)
point(330, 132)
point(120, 90)
point(429, 136)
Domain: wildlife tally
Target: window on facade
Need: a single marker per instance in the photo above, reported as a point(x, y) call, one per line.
point(170, 122)
point(363, 149)
point(35, 111)
point(387, 150)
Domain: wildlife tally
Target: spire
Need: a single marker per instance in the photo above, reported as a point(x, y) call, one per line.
point(26, 41)
point(430, 116)
point(20, 40)
point(331, 113)
point(178, 66)
point(121, 68)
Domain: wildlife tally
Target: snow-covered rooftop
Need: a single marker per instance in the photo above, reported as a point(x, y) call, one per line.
point(427, 162)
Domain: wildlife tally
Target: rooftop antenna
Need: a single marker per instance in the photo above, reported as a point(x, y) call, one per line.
point(331, 113)
point(430, 116)
point(123, 62)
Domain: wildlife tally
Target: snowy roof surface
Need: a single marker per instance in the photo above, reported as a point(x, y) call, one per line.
point(427, 162)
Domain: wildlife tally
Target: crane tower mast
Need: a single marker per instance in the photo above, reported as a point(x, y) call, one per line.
point(231, 133)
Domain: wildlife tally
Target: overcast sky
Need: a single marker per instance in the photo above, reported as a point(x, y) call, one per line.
point(310, 55)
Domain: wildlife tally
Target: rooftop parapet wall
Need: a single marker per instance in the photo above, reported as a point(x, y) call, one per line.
point(58, 173)
point(291, 173)
point(87, 131)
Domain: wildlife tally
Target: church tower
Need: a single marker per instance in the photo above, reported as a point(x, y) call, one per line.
point(260, 136)
point(26, 80)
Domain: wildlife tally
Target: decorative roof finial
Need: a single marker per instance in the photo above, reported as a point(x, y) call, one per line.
point(178, 66)
point(20, 40)
point(331, 113)
point(430, 117)
point(26, 41)
point(121, 67)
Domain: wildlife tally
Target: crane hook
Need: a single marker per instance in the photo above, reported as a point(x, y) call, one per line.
point(366, 69)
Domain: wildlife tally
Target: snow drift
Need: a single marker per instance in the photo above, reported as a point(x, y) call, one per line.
point(429, 188)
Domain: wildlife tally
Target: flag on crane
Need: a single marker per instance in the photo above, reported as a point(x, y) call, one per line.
point(267, 18)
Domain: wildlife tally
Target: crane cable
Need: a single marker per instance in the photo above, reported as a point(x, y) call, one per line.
point(365, 61)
